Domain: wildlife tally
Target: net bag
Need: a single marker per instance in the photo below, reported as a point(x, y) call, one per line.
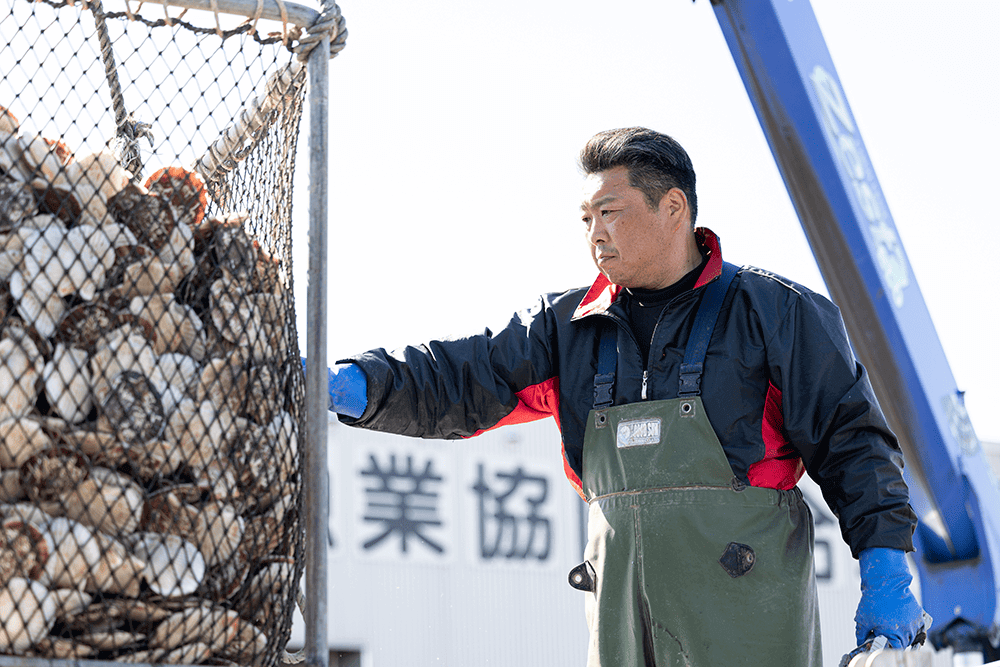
point(151, 388)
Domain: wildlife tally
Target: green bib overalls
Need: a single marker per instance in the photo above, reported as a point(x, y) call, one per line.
point(685, 564)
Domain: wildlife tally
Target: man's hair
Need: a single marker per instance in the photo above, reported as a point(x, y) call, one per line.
point(655, 162)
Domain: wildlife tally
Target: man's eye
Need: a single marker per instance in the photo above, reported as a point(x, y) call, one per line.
point(586, 221)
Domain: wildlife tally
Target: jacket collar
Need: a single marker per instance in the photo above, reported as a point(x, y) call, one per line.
point(603, 292)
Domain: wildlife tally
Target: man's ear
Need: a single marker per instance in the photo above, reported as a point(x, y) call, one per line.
point(675, 204)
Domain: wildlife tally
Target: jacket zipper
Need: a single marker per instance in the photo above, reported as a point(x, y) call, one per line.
point(645, 376)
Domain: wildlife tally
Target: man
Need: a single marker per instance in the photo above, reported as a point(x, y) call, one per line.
point(691, 397)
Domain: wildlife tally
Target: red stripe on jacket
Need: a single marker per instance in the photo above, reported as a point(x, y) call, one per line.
point(781, 466)
point(538, 402)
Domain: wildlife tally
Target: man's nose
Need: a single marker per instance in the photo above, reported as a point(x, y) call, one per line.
point(597, 233)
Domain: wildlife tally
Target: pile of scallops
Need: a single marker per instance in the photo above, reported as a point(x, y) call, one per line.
point(149, 468)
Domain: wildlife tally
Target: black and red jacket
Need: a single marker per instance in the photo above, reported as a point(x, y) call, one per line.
point(780, 386)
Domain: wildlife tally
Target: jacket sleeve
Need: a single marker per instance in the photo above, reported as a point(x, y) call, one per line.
point(459, 387)
point(832, 416)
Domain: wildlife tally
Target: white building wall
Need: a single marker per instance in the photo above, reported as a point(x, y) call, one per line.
point(441, 601)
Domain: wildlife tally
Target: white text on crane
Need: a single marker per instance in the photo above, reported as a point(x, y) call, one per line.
point(889, 256)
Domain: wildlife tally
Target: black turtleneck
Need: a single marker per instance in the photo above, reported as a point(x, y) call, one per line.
point(645, 306)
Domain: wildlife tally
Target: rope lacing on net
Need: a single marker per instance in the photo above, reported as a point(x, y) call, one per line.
point(258, 114)
point(125, 144)
point(329, 22)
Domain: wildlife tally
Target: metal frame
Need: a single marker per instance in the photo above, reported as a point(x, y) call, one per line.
point(317, 397)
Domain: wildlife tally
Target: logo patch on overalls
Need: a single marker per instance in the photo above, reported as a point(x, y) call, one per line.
point(635, 432)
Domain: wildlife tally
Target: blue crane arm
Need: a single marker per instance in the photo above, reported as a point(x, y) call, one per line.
point(789, 74)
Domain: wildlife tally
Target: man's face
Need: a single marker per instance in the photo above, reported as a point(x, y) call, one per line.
point(631, 243)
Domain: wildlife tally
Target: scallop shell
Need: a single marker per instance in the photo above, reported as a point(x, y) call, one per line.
point(264, 394)
point(188, 654)
point(235, 252)
point(56, 263)
point(11, 152)
point(52, 472)
point(117, 571)
point(91, 443)
point(266, 531)
point(271, 276)
point(20, 369)
point(20, 439)
point(67, 383)
point(178, 328)
point(61, 649)
point(70, 602)
point(248, 645)
point(107, 641)
point(27, 613)
point(284, 432)
point(174, 567)
point(26, 512)
point(226, 579)
point(87, 254)
point(85, 324)
point(108, 505)
point(170, 395)
point(133, 612)
point(124, 349)
point(10, 486)
point(250, 451)
point(214, 626)
point(179, 249)
point(17, 203)
point(101, 172)
point(9, 261)
point(199, 430)
point(74, 551)
point(43, 158)
point(148, 276)
point(233, 313)
point(178, 370)
point(23, 550)
point(218, 480)
point(147, 215)
point(204, 231)
point(94, 179)
point(118, 235)
point(166, 512)
point(155, 459)
point(132, 408)
point(8, 121)
point(216, 530)
point(265, 459)
point(184, 190)
point(266, 592)
point(223, 532)
point(57, 200)
point(224, 383)
point(252, 321)
point(43, 310)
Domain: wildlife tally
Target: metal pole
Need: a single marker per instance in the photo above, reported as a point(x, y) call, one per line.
point(316, 487)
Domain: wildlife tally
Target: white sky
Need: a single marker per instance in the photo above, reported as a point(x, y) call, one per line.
point(455, 126)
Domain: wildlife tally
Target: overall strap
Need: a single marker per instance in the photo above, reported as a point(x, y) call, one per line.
point(701, 334)
point(607, 363)
point(694, 354)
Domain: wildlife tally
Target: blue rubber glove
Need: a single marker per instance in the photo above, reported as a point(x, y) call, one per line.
point(887, 606)
point(348, 388)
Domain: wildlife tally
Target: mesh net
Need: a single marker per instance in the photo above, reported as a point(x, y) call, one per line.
point(150, 384)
